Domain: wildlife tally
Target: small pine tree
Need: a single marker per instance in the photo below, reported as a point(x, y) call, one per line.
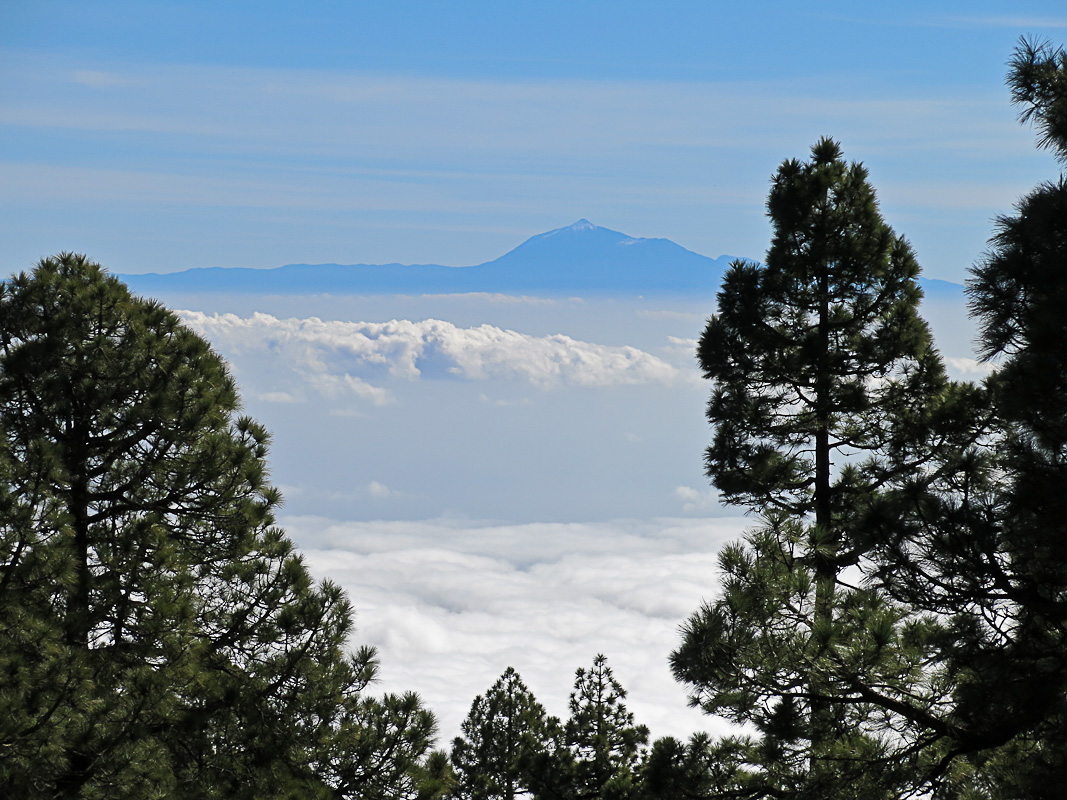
point(697, 769)
point(603, 740)
point(503, 730)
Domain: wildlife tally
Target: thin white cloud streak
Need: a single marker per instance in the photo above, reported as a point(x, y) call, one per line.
point(1013, 23)
point(343, 359)
point(909, 19)
point(670, 314)
point(490, 130)
point(346, 203)
point(332, 112)
point(318, 165)
point(937, 197)
point(451, 604)
point(99, 79)
point(497, 298)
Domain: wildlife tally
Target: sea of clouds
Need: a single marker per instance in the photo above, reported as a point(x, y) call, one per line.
point(500, 481)
point(450, 604)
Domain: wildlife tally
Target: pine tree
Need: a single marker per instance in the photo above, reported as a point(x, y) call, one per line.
point(819, 360)
point(694, 770)
point(159, 636)
point(503, 730)
point(603, 740)
point(981, 540)
point(943, 667)
point(1037, 77)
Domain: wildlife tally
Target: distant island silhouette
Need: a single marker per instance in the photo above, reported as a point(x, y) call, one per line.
point(580, 258)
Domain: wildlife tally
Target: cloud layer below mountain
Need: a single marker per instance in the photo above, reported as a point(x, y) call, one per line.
point(520, 485)
point(336, 357)
point(451, 603)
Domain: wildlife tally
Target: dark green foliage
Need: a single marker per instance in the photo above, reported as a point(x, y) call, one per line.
point(504, 730)
point(1037, 77)
point(511, 748)
point(819, 362)
point(435, 778)
point(697, 769)
point(600, 734)
point(158, 636)
point(811, 353)
point(1019, 291)
point(912, 639)
point(980, 540)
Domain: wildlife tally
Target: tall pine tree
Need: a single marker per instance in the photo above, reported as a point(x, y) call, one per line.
point(818, 358)
point(940, 664)
point(158, 635)
point(979, 542)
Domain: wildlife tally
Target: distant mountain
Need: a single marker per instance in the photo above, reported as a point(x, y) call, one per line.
point(936, 289)
point(586, 256)
point(581, 257)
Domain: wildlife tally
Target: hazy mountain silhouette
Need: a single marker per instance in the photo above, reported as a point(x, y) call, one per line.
point(580, 258)
point(586, 256)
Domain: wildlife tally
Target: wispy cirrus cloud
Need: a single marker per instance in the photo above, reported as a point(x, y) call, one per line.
point(285, 163)
point(1014, 22)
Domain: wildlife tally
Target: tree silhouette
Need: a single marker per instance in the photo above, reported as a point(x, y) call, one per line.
point(819, 363)
point(503, 730)
point(600, 733)
point(158, 634)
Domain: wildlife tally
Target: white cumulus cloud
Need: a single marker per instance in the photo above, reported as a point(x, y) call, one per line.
point(340, 359)
point(380, 490)
point(970, 367)
point(696, 499)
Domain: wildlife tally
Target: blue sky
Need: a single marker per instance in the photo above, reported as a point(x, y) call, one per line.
point(495, 480)
point(161, 136)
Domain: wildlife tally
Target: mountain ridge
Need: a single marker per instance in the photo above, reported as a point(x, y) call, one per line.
point(581, 257)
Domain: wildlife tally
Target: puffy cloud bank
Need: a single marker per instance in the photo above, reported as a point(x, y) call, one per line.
point(451, 603)
point(338, 358)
